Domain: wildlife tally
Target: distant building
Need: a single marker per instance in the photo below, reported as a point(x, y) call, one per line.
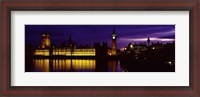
point(156, 45)
point(141, 47)
point(138, 48)
point(130, 47)
point(135, 48)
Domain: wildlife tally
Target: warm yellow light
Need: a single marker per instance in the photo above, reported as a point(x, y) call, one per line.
point(46, 65)
point(83, 64)
point(42, 52)
point(131, 46)
point(67, 52)
point(41, 65)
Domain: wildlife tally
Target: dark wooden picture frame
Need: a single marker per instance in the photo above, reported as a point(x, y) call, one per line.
point(193, 90)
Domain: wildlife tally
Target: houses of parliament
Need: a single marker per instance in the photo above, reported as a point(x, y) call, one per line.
point(47, 49)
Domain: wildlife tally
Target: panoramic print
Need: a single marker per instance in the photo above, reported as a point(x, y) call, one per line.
point(99, 48)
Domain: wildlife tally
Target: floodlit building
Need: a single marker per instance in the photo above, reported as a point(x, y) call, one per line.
point(71, 50)
point(46, 42)
point(74, 52)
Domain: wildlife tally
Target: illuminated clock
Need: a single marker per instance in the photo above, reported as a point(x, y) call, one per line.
point(113, 37)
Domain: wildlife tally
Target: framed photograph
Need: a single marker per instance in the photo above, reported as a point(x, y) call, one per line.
point(137, 48)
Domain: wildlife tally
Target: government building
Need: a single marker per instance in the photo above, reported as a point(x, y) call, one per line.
point(47, 49)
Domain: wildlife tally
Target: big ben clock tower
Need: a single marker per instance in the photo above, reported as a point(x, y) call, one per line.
point(114, 44)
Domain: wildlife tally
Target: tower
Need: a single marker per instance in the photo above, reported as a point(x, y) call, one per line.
point(148, 41)
point(46, 43)
point(70, 41)
point(114, 42)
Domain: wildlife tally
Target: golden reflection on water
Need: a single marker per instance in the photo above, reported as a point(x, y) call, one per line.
point(43, 65)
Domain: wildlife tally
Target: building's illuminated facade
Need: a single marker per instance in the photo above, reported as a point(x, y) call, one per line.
point(42, 52)
point(46, 42)
point(71, 50)
point(66, 52)
point(74, 52)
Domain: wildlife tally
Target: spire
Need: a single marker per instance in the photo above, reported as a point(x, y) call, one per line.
point(148, 41)
point(113, 31)
point(70, 37)
point(70, 41)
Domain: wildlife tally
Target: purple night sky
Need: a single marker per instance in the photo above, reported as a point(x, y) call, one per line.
point(88, 34)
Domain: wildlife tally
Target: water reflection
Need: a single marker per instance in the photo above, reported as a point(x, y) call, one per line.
point(58, 65)
point(72, 65)
point(41, 65)
point(114, 66)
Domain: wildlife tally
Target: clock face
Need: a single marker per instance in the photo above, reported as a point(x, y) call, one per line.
point(113, 37)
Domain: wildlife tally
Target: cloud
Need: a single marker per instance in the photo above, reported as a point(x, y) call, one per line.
point(145, 39)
